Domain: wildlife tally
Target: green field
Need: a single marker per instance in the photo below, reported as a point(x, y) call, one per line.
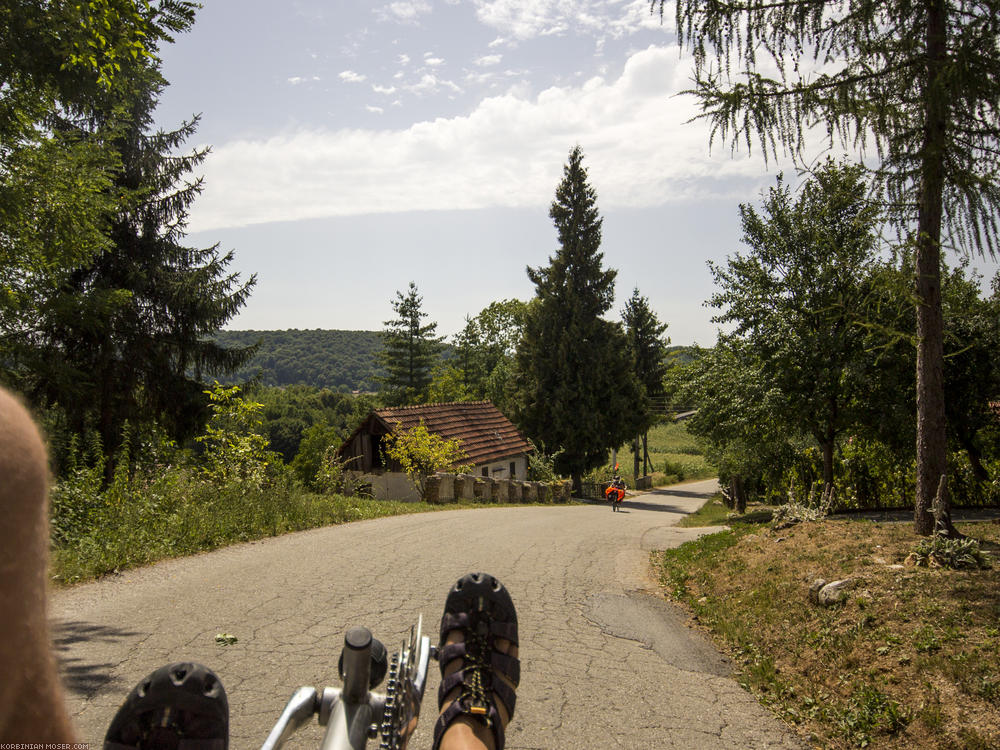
point(673, 453)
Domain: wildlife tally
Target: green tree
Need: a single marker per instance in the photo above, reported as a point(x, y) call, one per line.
point(971, 366)
point(61, 60)
point(648, 350)
point(127, 335)
point(737, 418)
point(575, 392)
point(484, 352)
point(797, 299)
point(918, 82)
point(410, 350)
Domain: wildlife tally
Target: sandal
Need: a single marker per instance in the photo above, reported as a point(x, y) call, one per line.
point(480, 606)
point(181, 706)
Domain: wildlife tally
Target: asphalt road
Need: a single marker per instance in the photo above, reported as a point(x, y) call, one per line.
point(605, 662)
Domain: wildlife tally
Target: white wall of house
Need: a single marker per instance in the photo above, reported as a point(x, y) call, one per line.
point(395, 485)
point(389, 485)
point(502, 469)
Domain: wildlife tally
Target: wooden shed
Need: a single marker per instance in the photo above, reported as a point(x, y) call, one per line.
point(494, 446)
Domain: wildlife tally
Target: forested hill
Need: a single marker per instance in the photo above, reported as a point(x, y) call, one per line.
point(339, 360)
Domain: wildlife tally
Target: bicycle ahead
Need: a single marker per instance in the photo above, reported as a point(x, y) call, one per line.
point(615, 492)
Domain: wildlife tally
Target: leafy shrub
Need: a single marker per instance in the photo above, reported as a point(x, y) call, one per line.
point(869, 712)
point(965, 489)
point(940, 551)
point(421, 453)
point(813, 508)
point(234, 450)
point(541, 465)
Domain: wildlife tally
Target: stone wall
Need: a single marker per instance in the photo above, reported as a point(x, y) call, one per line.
point(449, 488)
point(445, 487)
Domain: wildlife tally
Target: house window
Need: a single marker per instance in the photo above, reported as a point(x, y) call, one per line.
point(513, 470)
point(486, 471)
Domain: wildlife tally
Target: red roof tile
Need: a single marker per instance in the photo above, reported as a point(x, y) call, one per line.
point(486, 434)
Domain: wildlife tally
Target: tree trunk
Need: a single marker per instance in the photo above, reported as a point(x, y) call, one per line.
point(635, 458)
point(577, 484)
point(645, 453)
point(931, 425)
point(739, 494)
point(968, 443)
point(827, 447)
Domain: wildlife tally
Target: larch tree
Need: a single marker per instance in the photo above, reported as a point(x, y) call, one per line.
point(918, 83)
point(410, 350)
point(575, 384)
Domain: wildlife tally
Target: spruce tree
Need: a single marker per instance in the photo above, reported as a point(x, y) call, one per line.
point(575, 382)
point(648, 350)
point(127, 335)
point(410, 351)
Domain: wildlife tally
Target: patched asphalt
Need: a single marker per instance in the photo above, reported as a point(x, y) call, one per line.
point(605, 661)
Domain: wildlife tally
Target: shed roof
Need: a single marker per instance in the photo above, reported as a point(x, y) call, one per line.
point(485, 433)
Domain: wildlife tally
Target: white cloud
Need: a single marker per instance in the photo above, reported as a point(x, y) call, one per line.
point(432, 61)
point(431, 84)
point(296, 80)
point(403, 59)
point(374, 109)
point(527, 19)
point(403, 11)
point(383, 89)
point(487, 60)
point(351, 77)
point(509, 151)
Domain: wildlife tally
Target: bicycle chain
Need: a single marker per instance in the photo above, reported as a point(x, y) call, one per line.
point(399, 699)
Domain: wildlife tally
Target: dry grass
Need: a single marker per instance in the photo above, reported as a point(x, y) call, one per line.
point(910, 660)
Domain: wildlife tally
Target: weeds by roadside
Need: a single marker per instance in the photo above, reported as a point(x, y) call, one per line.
point(910, 659)
point(136, 522)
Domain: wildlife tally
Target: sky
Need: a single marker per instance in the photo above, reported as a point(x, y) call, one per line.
point(357, 146)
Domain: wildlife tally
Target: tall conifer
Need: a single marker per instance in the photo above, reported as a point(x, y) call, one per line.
point(574, 380)
point(127, 336)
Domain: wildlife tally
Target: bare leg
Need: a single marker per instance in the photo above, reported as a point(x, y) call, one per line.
point(32, 708)
point(466, 733)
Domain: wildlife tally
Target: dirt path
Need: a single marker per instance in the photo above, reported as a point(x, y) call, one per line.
point(604, 662)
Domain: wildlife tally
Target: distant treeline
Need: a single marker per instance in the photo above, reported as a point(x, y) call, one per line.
point(338, 360)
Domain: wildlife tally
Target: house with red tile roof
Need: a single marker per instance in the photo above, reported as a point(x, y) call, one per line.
point(492, 444)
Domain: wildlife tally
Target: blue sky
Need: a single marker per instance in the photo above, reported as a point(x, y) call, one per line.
point(358, 146)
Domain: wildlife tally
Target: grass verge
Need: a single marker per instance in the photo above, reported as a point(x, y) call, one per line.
point(179, 516)
point(910, 659)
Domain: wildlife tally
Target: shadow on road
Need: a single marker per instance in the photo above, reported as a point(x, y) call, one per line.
point(81, 677)
point(661, 507)
point(680, 493)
